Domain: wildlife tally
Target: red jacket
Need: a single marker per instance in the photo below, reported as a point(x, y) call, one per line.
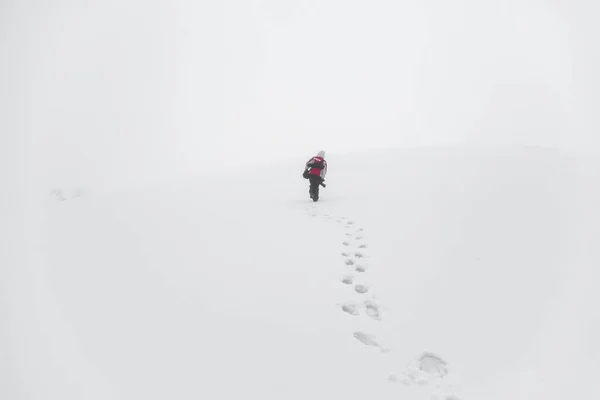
point(317, 166)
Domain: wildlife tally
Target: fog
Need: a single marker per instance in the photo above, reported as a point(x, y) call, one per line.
point(118, 93)
point(100, 92)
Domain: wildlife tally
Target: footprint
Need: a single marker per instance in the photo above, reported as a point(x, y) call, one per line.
point(350, 222)
point(372, 310)
point(410, 377)
point(359, 230)
point(368, 340)
point(358, 254)
point(433, 365)
point(346, 243)
point(345, 254)
point(348, 234)
point(421, 381)
point(359, 237)
point(406, 381)
point(347, 280)
point(362, 246)
point(427, 368)
point(350, 309)
point(349, 262)
point(361, 268)
point(362, 289)
point(365, 338)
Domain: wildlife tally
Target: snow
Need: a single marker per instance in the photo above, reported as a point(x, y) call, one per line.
point(157, 241)
point(435, 273)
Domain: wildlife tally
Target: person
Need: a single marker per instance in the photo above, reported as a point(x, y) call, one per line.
point(315, 171)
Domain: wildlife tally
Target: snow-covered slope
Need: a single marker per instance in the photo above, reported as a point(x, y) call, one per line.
point(477, 265)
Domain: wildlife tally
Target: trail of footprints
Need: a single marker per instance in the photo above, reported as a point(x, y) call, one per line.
point(356, 265)
point(428, 367)
point(355, 261)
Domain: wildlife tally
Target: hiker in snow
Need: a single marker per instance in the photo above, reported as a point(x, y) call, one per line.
point(315, 171)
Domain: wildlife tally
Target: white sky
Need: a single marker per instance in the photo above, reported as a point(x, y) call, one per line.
point(96, 91)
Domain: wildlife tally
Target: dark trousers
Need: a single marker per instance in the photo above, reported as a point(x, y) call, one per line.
point(315, 181)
